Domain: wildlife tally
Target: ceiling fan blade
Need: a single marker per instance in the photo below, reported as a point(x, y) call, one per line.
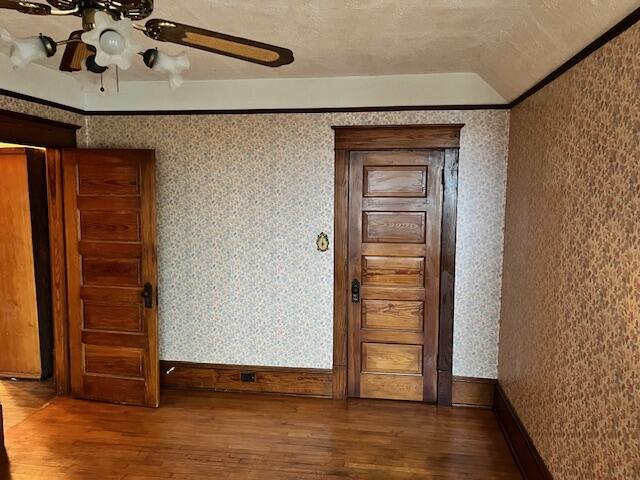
point(236, 47)
point(26, 7)
point(75, 53)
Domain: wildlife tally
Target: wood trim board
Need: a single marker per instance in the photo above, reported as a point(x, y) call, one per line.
point(40, 101)
point(447, 277)
point(29, 130)
point(527, 457)
point(397, 136)
point(58, 272)
point(276, 111)
point(228, 378)
point(472, 392)
point(340, 294)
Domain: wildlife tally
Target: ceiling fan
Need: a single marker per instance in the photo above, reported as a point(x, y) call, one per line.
point(107, 38)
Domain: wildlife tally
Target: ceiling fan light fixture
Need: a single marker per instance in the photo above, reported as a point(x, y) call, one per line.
point(107, 39)
point(113, 41)
point(170, 65)
point(24, 51)
point(92, 66)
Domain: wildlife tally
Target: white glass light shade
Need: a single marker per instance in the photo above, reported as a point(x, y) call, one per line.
point(173, 66)
point(23, 51)
point(113, 41)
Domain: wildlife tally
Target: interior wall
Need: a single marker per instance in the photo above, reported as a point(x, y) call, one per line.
point(242, 284)
point(570, 320)
point(241, 200)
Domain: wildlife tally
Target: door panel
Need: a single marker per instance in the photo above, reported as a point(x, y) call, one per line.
point(19, 320)
point(388, 357)
point(394, 181)
point(392, 315)
point(395, 211)
point(121, 361)
point(393, 227)
point(392, 271)
point(123, 318)
point(110, 229)
point(391, 387)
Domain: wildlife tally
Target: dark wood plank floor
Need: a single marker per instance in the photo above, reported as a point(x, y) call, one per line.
point(22, 398)
point(202, 435)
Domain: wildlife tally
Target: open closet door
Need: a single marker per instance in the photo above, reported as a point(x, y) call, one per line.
point(110, 231)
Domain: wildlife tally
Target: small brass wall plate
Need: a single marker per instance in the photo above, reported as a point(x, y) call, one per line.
point(322, 242)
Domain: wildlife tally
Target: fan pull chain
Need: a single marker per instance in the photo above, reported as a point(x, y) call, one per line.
point(117, 79)
point(101, 83)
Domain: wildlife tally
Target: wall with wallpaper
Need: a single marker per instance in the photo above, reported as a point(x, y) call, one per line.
point(570, 327)
point(241, 199)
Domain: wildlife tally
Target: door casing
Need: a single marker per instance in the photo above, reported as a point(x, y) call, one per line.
point(394, 137)
point(30, 130)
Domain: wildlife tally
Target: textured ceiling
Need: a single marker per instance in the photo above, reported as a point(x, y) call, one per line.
point(510, 43)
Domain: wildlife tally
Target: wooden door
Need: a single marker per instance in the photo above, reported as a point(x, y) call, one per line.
point(110, 229)
point(19, 322)
point(395, 211)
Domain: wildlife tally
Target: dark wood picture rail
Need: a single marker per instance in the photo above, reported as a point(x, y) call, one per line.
point(41, 101)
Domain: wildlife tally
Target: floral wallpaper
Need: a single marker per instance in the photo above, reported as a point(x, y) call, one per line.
point(241, 200)
point(570, 323)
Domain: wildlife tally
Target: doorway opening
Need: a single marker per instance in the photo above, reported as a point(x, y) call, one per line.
point(35, 136)
point(26, 315)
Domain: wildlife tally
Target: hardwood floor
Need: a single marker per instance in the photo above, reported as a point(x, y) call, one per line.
point(22, 398)
point(203, 435)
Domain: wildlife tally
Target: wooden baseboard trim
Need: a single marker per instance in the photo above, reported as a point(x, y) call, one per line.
point(472, 392)
point(524, 451)
point(445, 388)
point(22, 376)
point(227, 378)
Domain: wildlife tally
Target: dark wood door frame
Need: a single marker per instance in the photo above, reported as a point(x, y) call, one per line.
point(34, 131)
point(347, 139)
